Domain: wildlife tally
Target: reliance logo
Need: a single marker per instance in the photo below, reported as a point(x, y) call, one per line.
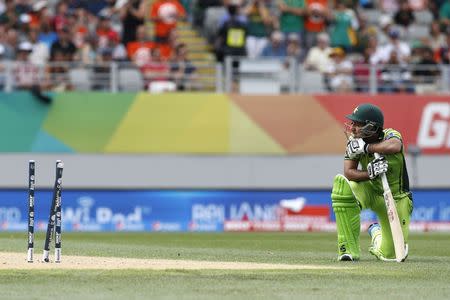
point(434, 130)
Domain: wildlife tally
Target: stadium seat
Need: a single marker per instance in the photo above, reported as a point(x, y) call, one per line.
point(130, 80)
point(80, 79)
point(416, 31)
point(372, 15)
point(260, 76)
point(424, 17)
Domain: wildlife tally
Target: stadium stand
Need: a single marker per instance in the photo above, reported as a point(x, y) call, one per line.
point(96, 30)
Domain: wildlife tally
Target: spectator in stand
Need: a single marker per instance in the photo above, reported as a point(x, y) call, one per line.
point(315, 20)
point(46, 33)
point(444, 13)
point(166, 50)
point(78, 22)
point(102, 70)
point(339, 74)
point(132, 15)
point(389, 7)
point(57, 78)
point(231, 36)
point(434, 6)
point(361, 71)
point(23, 27)
point(294, 56)
point(294, 48)
point(318, 57)
point(402, 49)
point(10, 16)
point(9, 42)
point(182, 70)
point(426, 69)
point(239, 15)
point(119, 52)
point(436, 40)
point(444, 53)
point(156, 74)
point(60, 19)
point(26, 75)
point(385, 24)
point(417, 5)
point(23, 6)
point(364, 34)
point(404, 16)
point(200, 8)
point(165, 14)
point(276, 47)
point(39, 13)
point(63, 45)
point(292, 17)
point(395, 76)
point(344, 26)
point(139, 50)
point(40, 52)
point(104, 31)
point(87, 51)
point(260, 23)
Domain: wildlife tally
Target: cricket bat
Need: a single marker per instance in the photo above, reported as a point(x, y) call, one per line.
point(394, 221)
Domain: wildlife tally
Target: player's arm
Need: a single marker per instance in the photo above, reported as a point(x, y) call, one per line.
point(352, 173)
point(390, 146)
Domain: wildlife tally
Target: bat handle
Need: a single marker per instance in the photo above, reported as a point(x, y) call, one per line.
point(383, 177)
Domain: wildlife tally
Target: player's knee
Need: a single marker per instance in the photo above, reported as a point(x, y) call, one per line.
point(341, 194)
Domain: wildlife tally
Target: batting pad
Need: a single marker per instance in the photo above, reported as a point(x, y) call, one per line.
point(347, 211)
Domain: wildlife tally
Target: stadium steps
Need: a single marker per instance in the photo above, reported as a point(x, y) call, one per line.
point(199, 52)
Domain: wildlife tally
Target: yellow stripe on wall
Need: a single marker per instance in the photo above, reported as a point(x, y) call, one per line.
point(174, 123)
point(246, 136)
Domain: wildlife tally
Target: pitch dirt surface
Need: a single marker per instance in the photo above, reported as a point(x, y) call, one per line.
point(14, 260)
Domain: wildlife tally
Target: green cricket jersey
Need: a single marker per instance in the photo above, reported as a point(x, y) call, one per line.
point(397, 174)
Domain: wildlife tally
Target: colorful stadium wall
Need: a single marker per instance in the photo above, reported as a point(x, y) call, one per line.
point(209, 123)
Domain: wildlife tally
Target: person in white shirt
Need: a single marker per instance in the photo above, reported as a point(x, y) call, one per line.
point(40, 53)
point(318, 57)
point(339, 74)
point(402, 49)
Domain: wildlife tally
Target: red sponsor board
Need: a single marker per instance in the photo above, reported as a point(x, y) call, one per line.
point(422, 120)
point(300, 218)
point(247, 226)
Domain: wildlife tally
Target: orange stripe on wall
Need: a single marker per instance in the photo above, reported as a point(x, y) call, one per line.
point(298, 123)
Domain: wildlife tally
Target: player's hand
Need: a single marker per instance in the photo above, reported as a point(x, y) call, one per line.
point(377, 166)
point(356, 147)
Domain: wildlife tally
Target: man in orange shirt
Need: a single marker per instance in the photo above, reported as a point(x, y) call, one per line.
point(315, 20)
point(165, 14)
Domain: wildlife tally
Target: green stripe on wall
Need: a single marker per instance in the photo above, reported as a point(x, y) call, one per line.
point(86, 121)
point(21, 116)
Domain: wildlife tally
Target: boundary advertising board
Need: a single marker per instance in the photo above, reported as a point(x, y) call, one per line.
point(203, 210)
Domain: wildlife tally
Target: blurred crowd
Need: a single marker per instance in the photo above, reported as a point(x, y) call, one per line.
point(337, 38)
point(334, 37)
point(48, 37)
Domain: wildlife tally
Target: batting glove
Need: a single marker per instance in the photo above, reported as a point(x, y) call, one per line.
point(356, 147)
point(377, 166)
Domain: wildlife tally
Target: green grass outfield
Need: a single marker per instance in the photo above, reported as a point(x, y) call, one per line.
point(426, 274)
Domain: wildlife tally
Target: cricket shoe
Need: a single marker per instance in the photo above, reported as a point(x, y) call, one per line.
point(345, 257)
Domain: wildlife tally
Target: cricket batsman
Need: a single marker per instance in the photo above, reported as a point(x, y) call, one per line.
point(361, 188)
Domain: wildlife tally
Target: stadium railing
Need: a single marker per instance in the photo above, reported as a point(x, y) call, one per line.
point(235, 75)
